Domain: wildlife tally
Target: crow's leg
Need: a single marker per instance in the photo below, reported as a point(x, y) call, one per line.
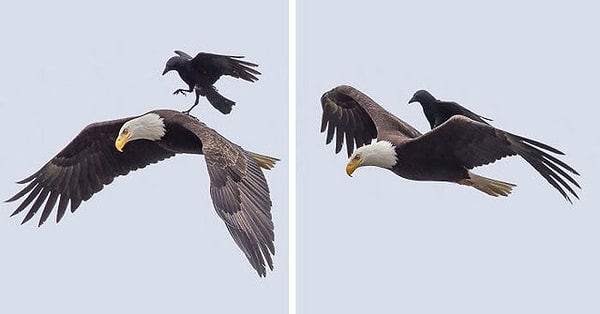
point(195, 102)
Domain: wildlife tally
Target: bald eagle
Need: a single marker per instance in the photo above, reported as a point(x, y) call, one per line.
point(203, 70)
point(105, 150)
point(446, 153)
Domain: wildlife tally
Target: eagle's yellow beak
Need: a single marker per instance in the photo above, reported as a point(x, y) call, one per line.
point(352, 165)
point(122, 140)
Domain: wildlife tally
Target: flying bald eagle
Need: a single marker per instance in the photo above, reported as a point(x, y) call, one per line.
point(446, 153)
point(238, 188)
point(203, 70)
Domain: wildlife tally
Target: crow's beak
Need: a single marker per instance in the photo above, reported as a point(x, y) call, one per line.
point(413, 99)
point(165, 71)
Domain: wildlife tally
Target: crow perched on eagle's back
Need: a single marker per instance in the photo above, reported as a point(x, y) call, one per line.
point(438, 111)
point(458, 142)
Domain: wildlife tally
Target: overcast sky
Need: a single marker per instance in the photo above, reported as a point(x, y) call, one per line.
point(150, 242)
point(378, 243)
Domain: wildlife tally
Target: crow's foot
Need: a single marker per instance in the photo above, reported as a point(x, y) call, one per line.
point(188, 111)
point(180, 91)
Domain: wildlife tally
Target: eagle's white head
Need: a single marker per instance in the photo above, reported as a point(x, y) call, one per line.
point(380, 154)
point(148, 127)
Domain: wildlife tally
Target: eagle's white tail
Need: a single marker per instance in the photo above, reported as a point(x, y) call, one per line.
point(487, 185)
point(265, 162)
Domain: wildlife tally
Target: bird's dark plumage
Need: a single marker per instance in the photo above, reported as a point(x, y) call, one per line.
point(238, 188)
point(446, 153)
point(201, 72)
point(438, 111)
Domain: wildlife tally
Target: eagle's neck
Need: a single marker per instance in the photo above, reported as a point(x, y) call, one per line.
point(380, 154)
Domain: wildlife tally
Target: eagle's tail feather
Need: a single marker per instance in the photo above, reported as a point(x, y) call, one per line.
point(487, 185)
point(265, 162)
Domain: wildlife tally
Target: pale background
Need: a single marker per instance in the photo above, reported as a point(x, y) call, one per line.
point(444, 248)
point(377, 243)
point(150, 242)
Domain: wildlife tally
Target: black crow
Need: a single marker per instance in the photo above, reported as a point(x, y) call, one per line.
point(438, 111)
point(202, 71)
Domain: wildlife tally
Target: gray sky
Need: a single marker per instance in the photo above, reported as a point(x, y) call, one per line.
point(377, 243)
point(150, 242)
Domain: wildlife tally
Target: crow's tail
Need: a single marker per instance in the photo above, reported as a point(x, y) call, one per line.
point(217, 100)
